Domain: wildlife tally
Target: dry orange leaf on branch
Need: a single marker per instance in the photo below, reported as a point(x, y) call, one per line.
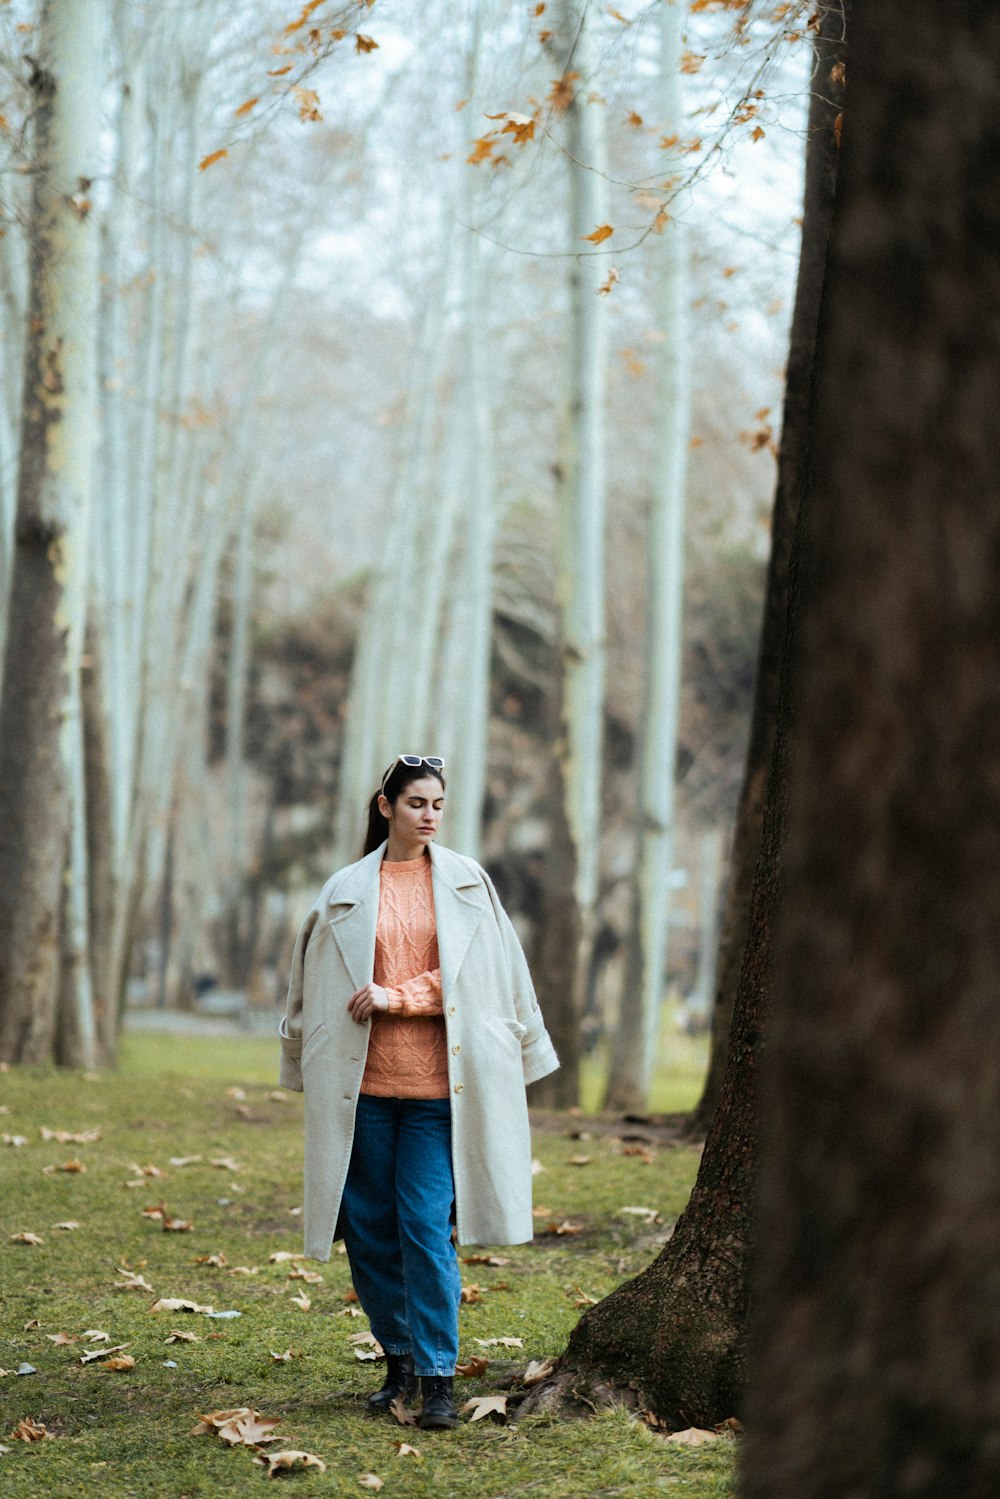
point(209, 161)
point(599, 235)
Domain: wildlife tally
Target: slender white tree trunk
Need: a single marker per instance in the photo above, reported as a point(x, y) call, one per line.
point(40, 721)
point(574, 840)
point(635, 1040)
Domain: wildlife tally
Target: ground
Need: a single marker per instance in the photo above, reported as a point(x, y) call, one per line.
point(127, 1432)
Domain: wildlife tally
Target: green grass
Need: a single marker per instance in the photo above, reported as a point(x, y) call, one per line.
point(128, 1433)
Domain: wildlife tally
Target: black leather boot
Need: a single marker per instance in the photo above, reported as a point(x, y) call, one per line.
point(439, 1413)
point(400, 1383)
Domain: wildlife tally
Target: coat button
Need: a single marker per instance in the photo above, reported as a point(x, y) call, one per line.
point(455, 1050)
point(458, 1087)
point(451, 1009)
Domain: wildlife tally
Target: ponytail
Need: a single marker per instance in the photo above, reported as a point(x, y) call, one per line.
point(377, 830)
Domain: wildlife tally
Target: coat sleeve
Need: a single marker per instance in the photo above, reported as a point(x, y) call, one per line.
point(538, 1055)
point(290, 1029)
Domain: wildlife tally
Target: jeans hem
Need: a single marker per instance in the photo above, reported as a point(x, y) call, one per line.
point(435, 1373)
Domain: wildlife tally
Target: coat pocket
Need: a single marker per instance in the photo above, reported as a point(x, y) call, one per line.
point(509, 1032)
point(317, 1039)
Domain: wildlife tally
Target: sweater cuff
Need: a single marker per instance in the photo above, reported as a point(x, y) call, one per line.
point(417, 996)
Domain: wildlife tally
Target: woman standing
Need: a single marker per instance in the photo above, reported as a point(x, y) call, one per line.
point(412, 1028)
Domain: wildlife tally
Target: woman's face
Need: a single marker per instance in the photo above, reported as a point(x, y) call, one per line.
point(417, 812)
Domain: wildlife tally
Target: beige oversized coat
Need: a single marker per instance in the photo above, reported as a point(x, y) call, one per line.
point(496, 1038)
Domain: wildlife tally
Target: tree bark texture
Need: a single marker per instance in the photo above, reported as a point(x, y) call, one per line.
point(39, 711)
point(876, 1369)
point(820, 180)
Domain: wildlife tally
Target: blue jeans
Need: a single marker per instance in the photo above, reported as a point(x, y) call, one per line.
point(396, 1220)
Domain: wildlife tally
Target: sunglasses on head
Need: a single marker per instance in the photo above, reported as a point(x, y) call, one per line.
point(433, 762)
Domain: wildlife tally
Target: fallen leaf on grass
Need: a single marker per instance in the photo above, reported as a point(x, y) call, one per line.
point(235, 1093)
point(73, 1167)
point(566, 1227)
point(120, 1363)
point(643, 1153)
point(287, 1356)
point(302, 1301)
point(277, 1462)
point(14, 1140)
point(477, 1365)
point(95, 1335)
point(245, 1270)
point(31, 1324)
point(61, 1337)
point(403, 1449)
point(471, 1294)
point(537, 1168)
point(26, 1238)
point(132, 1281)
point(537, 1371)
point(178, 1304)
point(692, 1436)
point(370, 1481)
point(365, 1340)
point(226, 1163)
point(282, 1256)
point(251, 1430)
point(349, 1311)
point(97, 1353)
point(69, 1225)
point(404, 1415)
point(500, 1342)
point(584, 1298)
point(218, 1260)
point(181, 1337)
point(148, 1170)
point(485, 1405)
point(184, 1160)
point(350, 1295)
point(650, 1214)
point(311, 1277)
point(29, 1430)
point(68, 1137)
point(579, 1160)
point(276, 1096)
point(485, 1259)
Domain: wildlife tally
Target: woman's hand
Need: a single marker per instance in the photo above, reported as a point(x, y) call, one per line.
point(368, 999)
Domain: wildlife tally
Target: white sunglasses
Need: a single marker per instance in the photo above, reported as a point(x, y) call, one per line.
point(433, 762)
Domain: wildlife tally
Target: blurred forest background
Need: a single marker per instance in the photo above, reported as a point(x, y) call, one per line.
point(382, 377)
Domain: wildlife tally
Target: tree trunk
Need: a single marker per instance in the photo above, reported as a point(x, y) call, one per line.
point(637, 1031)
point(48, 585)
point(582, 484)
point(820, 181)
point(877, 1323)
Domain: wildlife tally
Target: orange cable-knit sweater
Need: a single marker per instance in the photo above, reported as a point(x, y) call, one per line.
point(407, 1055)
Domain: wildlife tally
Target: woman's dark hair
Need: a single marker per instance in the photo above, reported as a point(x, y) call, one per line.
point(378, 827)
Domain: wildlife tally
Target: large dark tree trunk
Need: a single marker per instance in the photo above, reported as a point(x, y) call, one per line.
point(876, 1369)
point(674, 1341)
point(820, 180)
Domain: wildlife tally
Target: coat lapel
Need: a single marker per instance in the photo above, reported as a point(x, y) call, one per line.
point(352, 914)
point(460, 898)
